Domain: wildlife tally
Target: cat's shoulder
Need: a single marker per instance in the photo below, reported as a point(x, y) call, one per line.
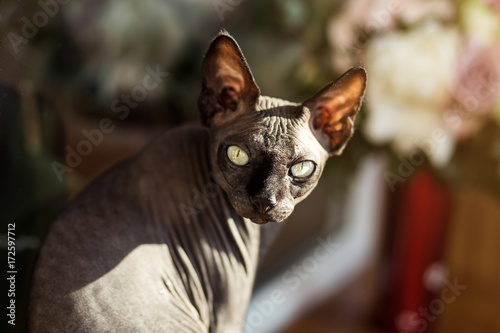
point(166, 154)
point(177, 154)
point(178, 141)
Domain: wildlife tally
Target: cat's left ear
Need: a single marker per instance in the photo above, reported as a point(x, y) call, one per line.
point(334, 108)
point(228, 86)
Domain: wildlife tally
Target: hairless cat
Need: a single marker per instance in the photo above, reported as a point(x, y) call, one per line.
point(132, 254)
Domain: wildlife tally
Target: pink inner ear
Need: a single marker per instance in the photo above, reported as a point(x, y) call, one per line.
point(334, 107)
point(229, 98)
point(334, 114)
point(227, 77)
point(229, 87)
point(227, 83)
point(322, 117)
point(330, 112)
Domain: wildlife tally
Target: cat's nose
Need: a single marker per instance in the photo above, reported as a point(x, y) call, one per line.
point(263, 205)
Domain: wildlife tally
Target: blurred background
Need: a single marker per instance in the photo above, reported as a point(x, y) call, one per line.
point(402, 233)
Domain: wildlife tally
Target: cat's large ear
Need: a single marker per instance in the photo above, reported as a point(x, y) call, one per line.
point(228, 86)
point(334, 108)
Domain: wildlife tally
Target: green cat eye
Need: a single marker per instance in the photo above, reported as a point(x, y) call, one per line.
point(237, 155)
point(302, 169)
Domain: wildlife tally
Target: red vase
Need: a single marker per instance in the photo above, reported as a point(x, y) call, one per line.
point(418, 219)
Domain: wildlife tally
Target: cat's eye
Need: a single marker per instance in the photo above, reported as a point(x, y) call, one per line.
point(302, 169)
point(237, 155)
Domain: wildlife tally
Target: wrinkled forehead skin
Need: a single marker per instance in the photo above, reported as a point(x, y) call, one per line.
point(278, 128)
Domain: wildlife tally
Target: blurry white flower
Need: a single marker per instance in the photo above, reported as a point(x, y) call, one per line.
point(359, 20)
point(410, 79)
point(415, 11)
point(362, 19)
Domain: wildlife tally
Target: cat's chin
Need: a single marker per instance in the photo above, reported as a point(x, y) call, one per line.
point(262, 220)
point(257, 218)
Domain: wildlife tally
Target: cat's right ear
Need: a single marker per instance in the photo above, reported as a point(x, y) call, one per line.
point(228, 87)
point(334, 108)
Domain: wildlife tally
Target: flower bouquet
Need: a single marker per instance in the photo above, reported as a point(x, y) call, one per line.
point(434, 79)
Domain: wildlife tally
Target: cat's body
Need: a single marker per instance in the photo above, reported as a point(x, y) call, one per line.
point(169, 241)
point(149, 266)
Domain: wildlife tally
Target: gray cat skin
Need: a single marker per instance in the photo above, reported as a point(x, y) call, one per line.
point(169, 240)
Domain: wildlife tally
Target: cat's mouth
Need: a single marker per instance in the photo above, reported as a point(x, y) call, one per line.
point(276, 216)
point(243, 209)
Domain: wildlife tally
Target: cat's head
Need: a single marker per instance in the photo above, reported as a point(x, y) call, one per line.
point(268, 154)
